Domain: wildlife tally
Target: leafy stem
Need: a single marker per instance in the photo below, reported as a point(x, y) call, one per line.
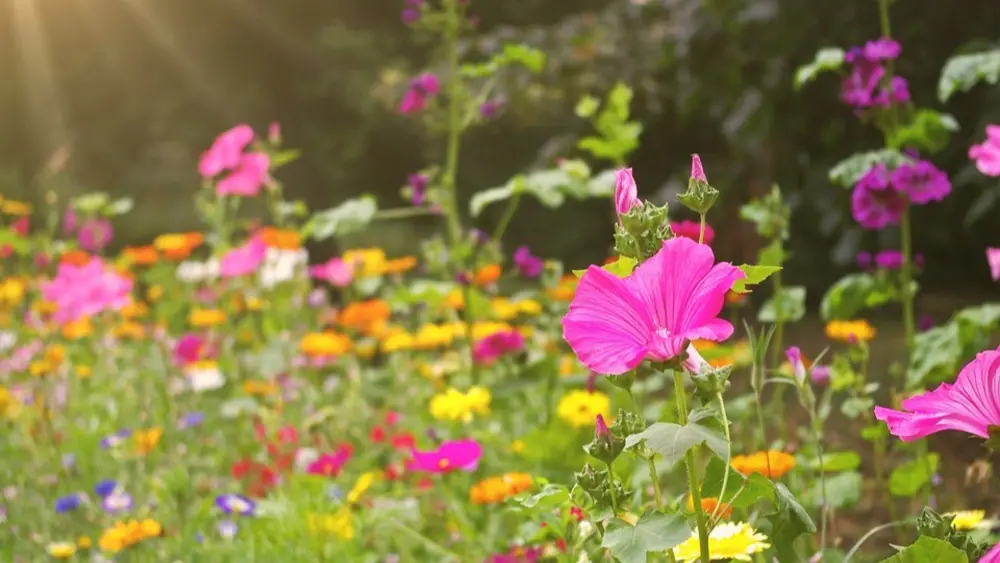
point(692, 474)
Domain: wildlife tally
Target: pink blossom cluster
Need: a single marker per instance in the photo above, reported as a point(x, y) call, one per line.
point(245, 172)
point(880, 197)
point(866, 85)
point(83, 291)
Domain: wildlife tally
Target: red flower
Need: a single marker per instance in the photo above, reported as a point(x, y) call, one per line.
point(377, 434)
point(403, 441)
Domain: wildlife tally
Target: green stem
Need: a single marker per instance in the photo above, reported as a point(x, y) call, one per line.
point(818, 438)
point(508, 214)
point(907, 280)
point(729, 453)
point(655, 478)
point(701, 230)
point(692, 474)
point(454, 123)
point(611, 490)
point(401, 213)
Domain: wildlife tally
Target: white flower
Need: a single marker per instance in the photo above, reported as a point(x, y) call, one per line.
point(190, 271)
point(7, 340)
point(204, 376)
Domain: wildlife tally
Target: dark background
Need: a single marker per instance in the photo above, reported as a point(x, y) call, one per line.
point(136, 89)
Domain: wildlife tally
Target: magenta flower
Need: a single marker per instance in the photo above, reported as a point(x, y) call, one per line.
point(864, 260)
point(69, 222)
point(626, 192)
point(676, 296)
point(692, 230)
point(697, 170)
point(336, 272)
point(863, 86)
point(247, 177)
point(189, 349)
point(243, 260)
point(875, 202)
point(488, 349)
point(820, 375)
point(95, 234)
point(921, 181)
point(601, 429)
point(882, 49)
point(529, 265)
point(452, 455)
point(993, 258)
point(991, 556)
point(421, 90)
point(83, 291)
point(225, 152)
point(898, 92)
point(987, 154)
point(971, 404)
point(858, 88)
point(889, 260)
point(794, 356)
point(330, 464)
point(418, 188)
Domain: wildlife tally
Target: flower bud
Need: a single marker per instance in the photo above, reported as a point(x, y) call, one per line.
point(700, 196)
point(794, 356)
point(626, 192)
point(697, 171)
point(601, 428)
point(605, 446)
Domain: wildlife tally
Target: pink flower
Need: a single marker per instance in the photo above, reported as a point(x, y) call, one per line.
point(422, 89)
point(692, 230)
point(528, 264)
point(488, 349)
point(794, 356)
point(876, 203)
point(626, 192)
point(987, 154)
point(83, 291)
point(921, 181)
point(336, 272)
point(69, 222)
point(226, 151)
point(971, 404)
point(697, 171)
point(243, 260)
point(189, 349)
point(676, 296)
point(247, 177)
point(95, 234)
point(993, 258)
point(328, 464)
point(451, 456)
point(991, 556)
point(274, 132)
point(601, 429)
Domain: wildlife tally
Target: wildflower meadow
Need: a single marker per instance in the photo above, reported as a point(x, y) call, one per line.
point(230, 394)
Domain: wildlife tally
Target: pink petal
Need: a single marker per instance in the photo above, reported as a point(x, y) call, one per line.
point(993, 258)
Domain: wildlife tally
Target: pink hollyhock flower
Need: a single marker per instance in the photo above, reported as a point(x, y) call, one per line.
point(876, 203)
point(993, 258)
point(330, 464)
point(882, 49)
point(422, 89)
point(672, 298)
point(987, 154)
point(243, 260)
point(921, 181)
point(226, 151)
point(529, 265)
point(336, 272)
point(450, 456)
point(626, 192)
point(692, 230)
point(697, 170)
point(889, 260)
point(898, 92)
point(971, 404)
point(95, 234)
point(247, 177)
point(69, 222)
point(488, 349)
point(82, 291)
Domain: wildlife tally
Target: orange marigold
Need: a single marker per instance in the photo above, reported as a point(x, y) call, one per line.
point(369, 317)
point(178, 246)
point(493, 490)
point(708, 505)
point(771, 464)
point(141, 255)
point(400, 265)
point(75, 258)
point(487, 274)
point(324, 344)
point(282, 239)
point(565, 290)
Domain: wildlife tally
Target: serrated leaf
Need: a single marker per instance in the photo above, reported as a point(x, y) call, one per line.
point(827, 59)
point(654, 532)
point(847, 172)
point(529, 57)
point(622, 267)
point(349, 217)
point(587, 107)
point(929, 550)
point(936, 355)
point(854, 293)
point(927, 130)
point(788, 523)
point(551, 496)
point(843, 490)
point(754, 276)
point(787, 306)
point(741, 492)
point(963, 72)
point(672, 441)
point(907, 479)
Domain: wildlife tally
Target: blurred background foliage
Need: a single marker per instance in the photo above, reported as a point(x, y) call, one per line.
point(123, 95)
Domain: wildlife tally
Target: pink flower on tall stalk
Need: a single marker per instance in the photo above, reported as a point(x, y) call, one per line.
point(921, 181)
point(452, 455)
point(692, 230)
point(95, 234)
point(626, 192)
point(83, 291)
point(971, 404)
point(674, 297)
point(876, 203)
point(246, 179)
point(528, 264)
point(488, 349)
point(243, 260)
point(993, 258)
point(247, 172)
point(794, 356)
point(987, 153)
point(421, 90)
point(335, 271)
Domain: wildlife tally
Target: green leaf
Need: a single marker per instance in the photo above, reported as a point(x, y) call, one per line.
point(854, 293)
point(528, 57)
point(827, 59)
point(936, 355)
point(755, 275)
point(285, 157)
point(843, 490)
point(672, 441)
point(741, 492)
point(928, 130)
point(20, 245)
point(90, 203)
point(929, 550)
point(854, 407)
point(788, 523)
point(907, 479)
point(550, 187)
point(430, 293)
point(587, 107)
point(653, 532)
point(836, 461)
point(847, 172)
point(772, 254)
point(963, 72)
point(119, 206)
point(349, 217)
point(620, 268)
point(787, 306)
point(551, 496)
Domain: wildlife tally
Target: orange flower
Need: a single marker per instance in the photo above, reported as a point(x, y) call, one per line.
point(178, 246)
point(708, 506)
point(369, 317)
point(324, 344)
point(771, 464)
point(565, 290)
point(141, 255)
point(455, 299)
point(281, 239)
point(400, 265)
point(487, 274)
point(493, 490)
point(260, 388)
point(146, 440)
point(734, 298)
point(75, 258)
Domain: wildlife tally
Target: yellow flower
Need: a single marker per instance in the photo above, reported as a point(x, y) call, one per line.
point(83, 542)
point(154, 293)
point(324, 344)
point(727, 541)
point(483, 329)
point(16, 208)
point(260, 388)
point(771, 464)
point(455, 405)
point(131, 330)
point(75, 330)
point(39, 368)
point(61, 550)
point(506, 310)
point(55, 354)
point(365, 350)
point(431, 336)
point(397, 341)
point(134, 310)
point(579, 408)
point(204, 318)
point(568, 365)
point(361, 486)
point(368, 262)
point(493, 490)
point(12, 291)
point(339, 524)
point(178, 246)
point(517, 446)
point(83, 372)
point(146, 440)
point(968, 519)
point(850, 331)
point(126, 534)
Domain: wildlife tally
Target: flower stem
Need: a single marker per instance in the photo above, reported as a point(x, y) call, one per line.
point(611, 490)
point(818, 438)
point(701, 230)
point(448, 179)
point(729, 453)
point(508, 214)
point(655, 478)
point(692, 474)
point(906, 291)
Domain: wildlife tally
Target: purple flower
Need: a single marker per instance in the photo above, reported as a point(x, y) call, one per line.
point(530, 266)
point(864, 260)
point(411, 14)
point(488, 349)
point(227, 529)
point(418, 186)
point(882, 49)
point(70, 222)
point(422, 89)
point(190, 420)
point(95, 234)
point(897, 93)
point(875, 202)
point(858, 89)
point(863, 87)
point(68, 502)
point(105, 488)
point(235, 504)
point(490, 108)
point(889, 260)
point(116, 438)
point(921, 181)
point(820, 374)
point(117, 501)
point(925, 323)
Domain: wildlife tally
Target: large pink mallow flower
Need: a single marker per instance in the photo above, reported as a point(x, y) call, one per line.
point(83, 291)
point(674, 297)
point(987, 154)
point(993, 258)
point(971, 404)
point(243, 260)
point(991, 556)
point(246, 179)
point(450, 456)
point(335, 271)
point(876, 203)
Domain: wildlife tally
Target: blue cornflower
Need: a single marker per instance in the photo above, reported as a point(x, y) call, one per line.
point(190, 420)
point(235, 504)
point(116, 438)
point(105, 487)
point(68, 502)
